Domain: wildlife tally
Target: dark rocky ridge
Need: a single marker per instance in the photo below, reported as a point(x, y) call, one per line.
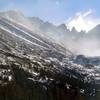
point(39, 79)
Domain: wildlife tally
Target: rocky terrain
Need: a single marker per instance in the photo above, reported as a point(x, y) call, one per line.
point(33, 67)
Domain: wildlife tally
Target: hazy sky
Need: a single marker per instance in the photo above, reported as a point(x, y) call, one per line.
point(58, 11)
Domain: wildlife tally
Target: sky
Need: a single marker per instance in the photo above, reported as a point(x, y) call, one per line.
point(82, 14)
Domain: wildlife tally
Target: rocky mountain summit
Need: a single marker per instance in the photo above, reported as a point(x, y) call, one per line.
point(34, 67)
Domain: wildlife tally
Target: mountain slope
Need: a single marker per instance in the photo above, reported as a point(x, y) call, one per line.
point(33, 67)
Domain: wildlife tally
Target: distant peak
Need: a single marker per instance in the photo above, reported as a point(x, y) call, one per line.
point(98, 26)
point(74, 29)
point(36, 19)
point(63, 26)
point(12, 13)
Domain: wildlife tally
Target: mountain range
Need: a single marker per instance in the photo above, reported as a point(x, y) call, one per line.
point(40, 61)
point(78, 42)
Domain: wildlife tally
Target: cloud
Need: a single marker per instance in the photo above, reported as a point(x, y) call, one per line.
point(57, 3)
point(89, 12)
point(83, 21)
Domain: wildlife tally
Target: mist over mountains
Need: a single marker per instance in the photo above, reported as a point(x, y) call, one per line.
point(86, 43)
